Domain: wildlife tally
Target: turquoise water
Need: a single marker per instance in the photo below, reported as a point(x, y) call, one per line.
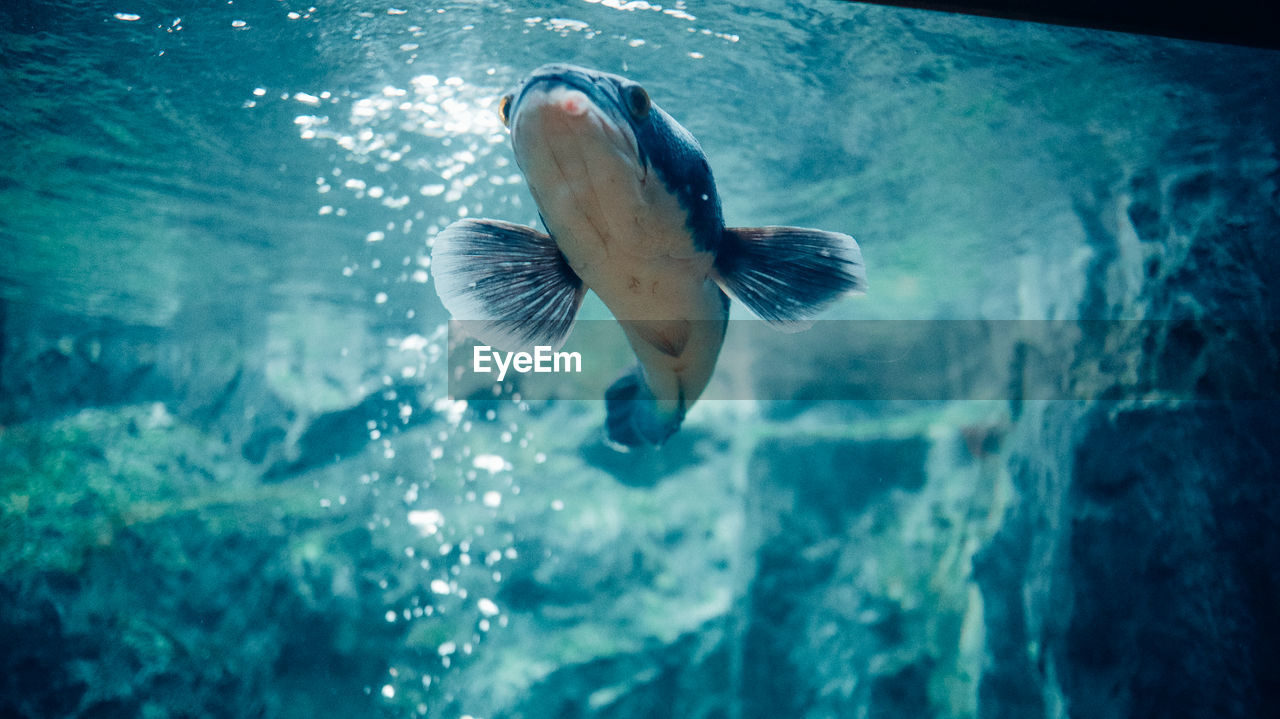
point(235, 484)
point(177, 163)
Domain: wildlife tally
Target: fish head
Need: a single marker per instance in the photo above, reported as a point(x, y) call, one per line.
point(564, 115)
point(586, 137)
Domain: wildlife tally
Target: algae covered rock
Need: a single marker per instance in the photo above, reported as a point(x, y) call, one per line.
point(149, 573)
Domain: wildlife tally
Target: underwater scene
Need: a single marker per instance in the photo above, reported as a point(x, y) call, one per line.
point(988, 428)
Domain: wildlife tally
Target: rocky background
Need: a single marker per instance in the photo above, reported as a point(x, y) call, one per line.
point(270, 508)
point(171, 554)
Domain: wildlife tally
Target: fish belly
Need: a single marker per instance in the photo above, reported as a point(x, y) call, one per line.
point(629, 243)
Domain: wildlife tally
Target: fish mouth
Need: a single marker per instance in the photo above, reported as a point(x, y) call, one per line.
point(568, 116)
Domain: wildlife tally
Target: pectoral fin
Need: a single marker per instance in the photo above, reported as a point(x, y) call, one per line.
point(786, 275)
point(508, 284)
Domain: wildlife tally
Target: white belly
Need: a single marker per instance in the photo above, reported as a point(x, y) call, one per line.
point(622, 232)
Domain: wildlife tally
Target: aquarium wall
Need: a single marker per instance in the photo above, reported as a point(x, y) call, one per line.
point(236, 480)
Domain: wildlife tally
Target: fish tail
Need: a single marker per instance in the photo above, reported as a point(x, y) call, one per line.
point(634, 417)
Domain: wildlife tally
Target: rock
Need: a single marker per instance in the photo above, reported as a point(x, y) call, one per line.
point(147, 570)
point(1124, 581)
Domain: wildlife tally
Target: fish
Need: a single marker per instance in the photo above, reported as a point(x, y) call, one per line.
point(630, 212)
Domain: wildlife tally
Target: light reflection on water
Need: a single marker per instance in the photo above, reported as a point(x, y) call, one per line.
point(459, 117)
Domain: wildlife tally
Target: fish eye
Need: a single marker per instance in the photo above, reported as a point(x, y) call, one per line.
point(504, 110)
point(637, 100)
